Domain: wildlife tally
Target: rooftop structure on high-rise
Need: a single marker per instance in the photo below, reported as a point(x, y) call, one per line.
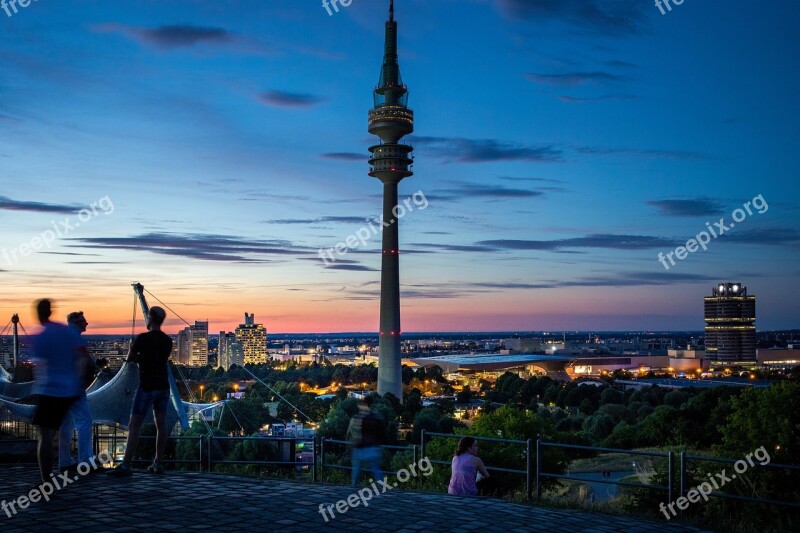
point(390, 119)
point(730, 315)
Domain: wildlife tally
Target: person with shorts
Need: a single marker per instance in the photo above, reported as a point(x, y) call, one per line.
point(57, 384)
point(151, 352)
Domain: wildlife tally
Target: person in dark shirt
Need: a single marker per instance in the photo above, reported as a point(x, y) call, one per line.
point(151, 352)
point(367, 433)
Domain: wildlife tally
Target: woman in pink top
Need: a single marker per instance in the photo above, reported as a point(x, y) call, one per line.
point(466, 465)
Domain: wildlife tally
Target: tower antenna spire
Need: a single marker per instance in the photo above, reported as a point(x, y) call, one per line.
point(391, 10)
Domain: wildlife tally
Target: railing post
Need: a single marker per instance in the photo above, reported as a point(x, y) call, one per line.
point(210, 440)
point(314, 461)
point(670, 478)
point(682, 473)
point(528, 469)
point(422, 443)
point(414, 449)
point(321, 457)
point(538, 469)
point(200, 457)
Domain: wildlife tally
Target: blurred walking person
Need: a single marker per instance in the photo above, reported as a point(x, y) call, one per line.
point(367, 433)
point(79, 417)
point(58, 360)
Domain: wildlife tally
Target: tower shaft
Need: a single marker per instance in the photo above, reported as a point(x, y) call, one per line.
point(390, 119)
point(390, 375)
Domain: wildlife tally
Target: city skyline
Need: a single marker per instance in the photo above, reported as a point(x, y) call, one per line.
point(567, 157)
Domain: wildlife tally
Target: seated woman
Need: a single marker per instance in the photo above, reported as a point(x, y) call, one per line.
point(466, 466)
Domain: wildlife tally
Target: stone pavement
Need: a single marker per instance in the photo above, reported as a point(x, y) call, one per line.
point(218, 502)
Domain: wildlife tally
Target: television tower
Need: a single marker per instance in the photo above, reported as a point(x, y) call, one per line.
point(390, 119)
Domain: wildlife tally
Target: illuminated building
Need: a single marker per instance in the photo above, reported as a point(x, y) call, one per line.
point(253, 339)
point(198, 344)
point(230, 351)
point(730, 316)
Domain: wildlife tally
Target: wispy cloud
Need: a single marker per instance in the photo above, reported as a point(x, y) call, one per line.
point(287, 99)
point(767, 236)
point(587, 99)
point(172, 36)
point(669, 154)
point(463, 190)
point(624, 279)
point(8, 204)
point(345, 156)
point(609, 241)
point(574, 78)
point(197, 246)
point(321, 220)
point(487, 150)
point(688, 207)
point(609, 17)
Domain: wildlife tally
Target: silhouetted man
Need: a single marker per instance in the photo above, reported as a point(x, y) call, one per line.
point(151, 352)
point(57, 381)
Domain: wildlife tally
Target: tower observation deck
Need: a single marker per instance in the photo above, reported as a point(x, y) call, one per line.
point(390, 119)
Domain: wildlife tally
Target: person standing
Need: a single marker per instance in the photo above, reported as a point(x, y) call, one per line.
point(466, 466)
point(58, 362)
point(151, 352)
point(79, 417)
point(367, 433)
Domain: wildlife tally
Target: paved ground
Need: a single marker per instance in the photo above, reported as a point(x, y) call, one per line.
point(225, 503)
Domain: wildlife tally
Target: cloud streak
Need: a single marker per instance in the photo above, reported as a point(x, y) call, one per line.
point(288, 99)
point(609, 17)
point(689, 207)
point(487, 150)
point(574, 78)
point(171, 36)
point(607, 241)
point(8, 204)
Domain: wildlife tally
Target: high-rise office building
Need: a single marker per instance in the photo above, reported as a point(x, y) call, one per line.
point(730, 315)
point(192, 349)
point(253, 338)
point(183, 347)
point(230, 351)
point(391, 120)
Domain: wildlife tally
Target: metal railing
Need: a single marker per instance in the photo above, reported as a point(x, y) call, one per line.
point(534, 472)
point(685, 458)
point(291, 441)
point(539, 474)
point(113, 439)
point(528, 472)
point(322, 450)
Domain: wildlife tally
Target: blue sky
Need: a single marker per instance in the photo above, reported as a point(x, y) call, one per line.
point(561, 146)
